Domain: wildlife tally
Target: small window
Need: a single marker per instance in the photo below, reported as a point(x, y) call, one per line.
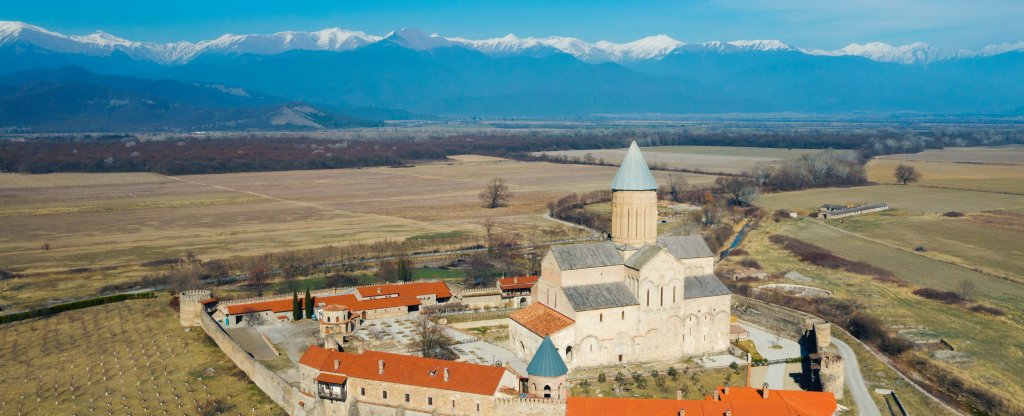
point(362, 391)
point(648, 297)
point(600, 317)
point(407, 397)
point(430, 401)
point(385, 394)
point(623, 315)
point(453, 402)
point(478, 407)
point(620, 358)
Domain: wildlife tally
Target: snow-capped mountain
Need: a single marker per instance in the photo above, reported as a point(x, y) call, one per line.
point(336, 39)
point(917, 52)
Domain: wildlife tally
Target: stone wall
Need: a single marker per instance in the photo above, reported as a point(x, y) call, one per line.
point(189, 308)
point(831, 374)
point(529, 407)
point(272, 384)
point(789, 323)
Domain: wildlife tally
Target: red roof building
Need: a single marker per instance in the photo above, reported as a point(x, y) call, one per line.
point(405, 369)
point(741, 401)
point(517, 283)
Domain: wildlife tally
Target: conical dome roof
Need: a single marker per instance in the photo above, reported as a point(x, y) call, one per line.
point(546, 362)
point(633, 174)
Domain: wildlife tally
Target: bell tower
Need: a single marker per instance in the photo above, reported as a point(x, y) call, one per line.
point(634, 201)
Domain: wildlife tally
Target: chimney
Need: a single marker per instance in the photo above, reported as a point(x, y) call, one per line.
point(725, 390)
point(337, 365)
point(728, 413)
point(679, 395)
point(380, 366)
point(515, 280)
point(764, 391)
point(446, 374)
point(378, 290)
point(716, 396)
point(682, 412)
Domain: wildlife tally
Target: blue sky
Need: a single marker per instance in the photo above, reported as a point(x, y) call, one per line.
point(826, 24)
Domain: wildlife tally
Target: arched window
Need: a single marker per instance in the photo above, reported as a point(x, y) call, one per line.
point(600, 317)
point(568, 353)
point(623, 315)
point(547, 391)
point(662, 295)
point(673, 295)
point(648, 297)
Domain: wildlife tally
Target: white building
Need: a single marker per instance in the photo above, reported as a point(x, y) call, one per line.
point(635, 298)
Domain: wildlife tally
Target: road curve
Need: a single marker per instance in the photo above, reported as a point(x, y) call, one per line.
point(854, 380)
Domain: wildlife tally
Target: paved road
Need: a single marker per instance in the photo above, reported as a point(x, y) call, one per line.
point(855, 381)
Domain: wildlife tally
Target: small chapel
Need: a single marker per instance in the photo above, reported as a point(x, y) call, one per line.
point(635, 298)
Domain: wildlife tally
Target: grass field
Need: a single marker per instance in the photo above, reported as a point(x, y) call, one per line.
point(914, 199)
point(95, 220)
point(993, 345)
point(130, 357)
point(1011, 154)
point(706, 158)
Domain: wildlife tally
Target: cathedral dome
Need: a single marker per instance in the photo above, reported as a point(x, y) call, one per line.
point(633, 174)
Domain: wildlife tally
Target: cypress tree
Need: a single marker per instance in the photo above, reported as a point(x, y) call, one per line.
point(296, 308)
point(309, 306)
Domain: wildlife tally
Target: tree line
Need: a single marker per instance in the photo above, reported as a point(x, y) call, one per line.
point(187, 154)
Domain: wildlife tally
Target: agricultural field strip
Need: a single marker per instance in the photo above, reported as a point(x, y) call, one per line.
point(916, 253)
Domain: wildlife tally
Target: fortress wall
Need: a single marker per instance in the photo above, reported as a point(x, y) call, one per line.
point(790, 323)
point(529, 407)
point(272, 384)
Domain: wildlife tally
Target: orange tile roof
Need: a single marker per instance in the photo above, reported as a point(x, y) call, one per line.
point(541, 319)
point(349, 301)
point(742, 401)
point(277, 306)
point(331, 378)
point(521, 282)
point(408, 370)
point(407, 290)
point(207, 301)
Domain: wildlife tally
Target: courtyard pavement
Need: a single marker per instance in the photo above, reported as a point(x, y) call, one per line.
point(776, 375)
point(251, 341)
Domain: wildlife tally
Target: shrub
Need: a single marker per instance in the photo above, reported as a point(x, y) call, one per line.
point(991, 310)
point(738, 252)
point(894, 345)
point(920, 248)
point(212, 407)
point(751, 263)
point(865, 328)
point(951, 298)
point(953, 214)
point(601, 378)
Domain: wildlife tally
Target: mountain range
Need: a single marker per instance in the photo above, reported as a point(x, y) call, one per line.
point(408, 71)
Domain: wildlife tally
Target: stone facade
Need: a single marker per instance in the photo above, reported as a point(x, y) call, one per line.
point(190, 306)
point(634, 217)
point(629, 298)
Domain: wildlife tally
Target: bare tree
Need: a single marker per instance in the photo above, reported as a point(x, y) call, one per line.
point(741, 191)
point(495, 194)
point(489, 230)
point(478, 269)
point(4, 277)
point(507, 253)
point(676, 185)
point(432, 340)
point(254, 318)
point(906, 174)
point(966, 289)
point(289, 275)
point(258, 279)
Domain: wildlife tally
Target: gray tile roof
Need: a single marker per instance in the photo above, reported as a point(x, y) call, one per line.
point(642, 256)
point(688, 247)
point(633, 174)
point(585, 256)
point(599, 296)
point(703, 286)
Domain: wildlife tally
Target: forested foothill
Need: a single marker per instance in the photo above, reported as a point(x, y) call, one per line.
point(251, 152)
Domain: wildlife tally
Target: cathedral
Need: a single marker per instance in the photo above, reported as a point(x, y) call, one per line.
point(638, 297)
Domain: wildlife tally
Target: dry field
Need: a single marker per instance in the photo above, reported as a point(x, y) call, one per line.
point(914, 199)
point(992, 346)
point(94, 220)
point(1011, 154)
point(124, 358)
point(705, 158)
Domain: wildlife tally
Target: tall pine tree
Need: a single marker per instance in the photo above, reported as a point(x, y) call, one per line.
point(309, 306)
point(296, 307)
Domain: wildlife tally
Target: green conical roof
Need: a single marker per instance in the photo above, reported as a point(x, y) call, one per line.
point(633, 174)
point(546, 362)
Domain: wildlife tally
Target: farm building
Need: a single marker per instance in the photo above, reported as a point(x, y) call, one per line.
point(365, 302)
point(832, 211)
